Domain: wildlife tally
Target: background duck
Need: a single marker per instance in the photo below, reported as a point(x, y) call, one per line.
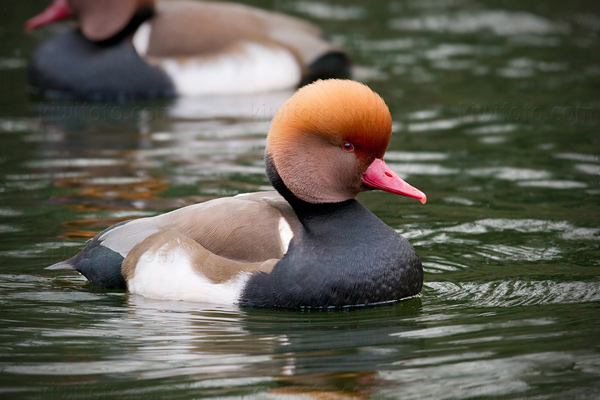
point(310, 244)
point(144, 48)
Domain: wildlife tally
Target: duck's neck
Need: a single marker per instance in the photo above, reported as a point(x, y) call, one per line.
point(309, 214)
point(141, 16)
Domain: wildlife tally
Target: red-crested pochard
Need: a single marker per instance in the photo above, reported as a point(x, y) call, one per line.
point(310, 244)
point(143, 48)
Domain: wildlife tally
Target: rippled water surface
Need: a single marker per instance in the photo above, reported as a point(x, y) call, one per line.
point(497, 116)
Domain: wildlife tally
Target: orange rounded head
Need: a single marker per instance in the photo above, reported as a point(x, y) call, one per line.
point(328, 140)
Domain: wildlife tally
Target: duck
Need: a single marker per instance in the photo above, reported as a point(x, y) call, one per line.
point(309, 244)
point(129, 49)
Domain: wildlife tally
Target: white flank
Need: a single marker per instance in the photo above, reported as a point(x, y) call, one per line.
point(168, 275)
point(285, 233)
point(141, 39)
point(253, 68)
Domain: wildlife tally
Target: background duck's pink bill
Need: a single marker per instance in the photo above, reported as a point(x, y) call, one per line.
point(57, 11)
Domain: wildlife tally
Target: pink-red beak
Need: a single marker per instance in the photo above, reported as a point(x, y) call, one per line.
point(57, 11)
point(380, 176)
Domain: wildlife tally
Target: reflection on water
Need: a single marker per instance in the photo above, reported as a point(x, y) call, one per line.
point(496, 118)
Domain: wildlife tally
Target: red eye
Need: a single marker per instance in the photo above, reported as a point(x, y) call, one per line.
point(348, 146)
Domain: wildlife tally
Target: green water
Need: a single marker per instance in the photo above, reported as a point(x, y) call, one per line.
point(497, 117)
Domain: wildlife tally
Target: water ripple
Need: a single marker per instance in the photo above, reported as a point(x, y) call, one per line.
point(414, 156)
point(502, 224)
point(422, 169)
point(328, 11)
point(74, 162)
point(568, 231)
point(493, 129)
point(509, 173)
point(579, 157)
point(499, 252)
point(502, 23)
point(591, 169)
point(554, 184)
point(512, 293)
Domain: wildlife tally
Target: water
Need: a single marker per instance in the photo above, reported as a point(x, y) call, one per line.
point(497, 117)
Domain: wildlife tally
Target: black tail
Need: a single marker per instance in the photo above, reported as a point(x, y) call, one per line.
point(330, 65)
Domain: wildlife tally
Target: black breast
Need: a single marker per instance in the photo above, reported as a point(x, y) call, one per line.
point(347, 257)
point(69, 65)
